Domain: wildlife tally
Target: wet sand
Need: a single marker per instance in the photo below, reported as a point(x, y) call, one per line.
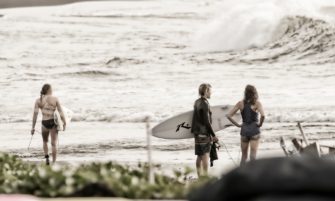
point(125, 143)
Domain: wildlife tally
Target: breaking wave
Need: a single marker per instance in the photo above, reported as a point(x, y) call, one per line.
point(266, 32)
point(300, 37)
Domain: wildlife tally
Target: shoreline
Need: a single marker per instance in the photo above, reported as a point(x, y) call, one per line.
point(125, 143)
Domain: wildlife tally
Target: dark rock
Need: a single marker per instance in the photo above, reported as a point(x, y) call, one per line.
point(273, 180)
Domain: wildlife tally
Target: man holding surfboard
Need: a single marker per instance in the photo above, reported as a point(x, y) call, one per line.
point(202, 129)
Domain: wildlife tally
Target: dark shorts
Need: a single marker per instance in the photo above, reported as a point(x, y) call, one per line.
point(250, 130)
point(49, 124)
point(250, 138)
point(202, 145)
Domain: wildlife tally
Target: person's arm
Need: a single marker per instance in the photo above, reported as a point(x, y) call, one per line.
point(35, 115)
point(261, 111)
point(231, 114)
point(60, 110)
point(205, 114)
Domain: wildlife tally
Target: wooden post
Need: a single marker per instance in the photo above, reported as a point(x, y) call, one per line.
point(150, 167)
point(303, 134)
point(283, 146)
point(297, 145)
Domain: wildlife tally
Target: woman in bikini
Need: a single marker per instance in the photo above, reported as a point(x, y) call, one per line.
point(250, 106)
point(48, 105)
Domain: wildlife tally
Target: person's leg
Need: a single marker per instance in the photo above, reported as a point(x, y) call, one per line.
point(54, 137)
point(244, 150)
point(45, 136)
point(253, 148)
point(205, 160)
point(198, 165)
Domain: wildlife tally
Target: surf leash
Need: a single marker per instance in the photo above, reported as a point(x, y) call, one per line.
point(230, 156)
point(31, 139)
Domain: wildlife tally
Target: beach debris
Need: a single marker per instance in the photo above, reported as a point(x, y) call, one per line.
point(283, 146)
point(302, 133)
point(304, 147)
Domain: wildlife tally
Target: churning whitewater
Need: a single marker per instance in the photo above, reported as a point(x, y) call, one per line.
point(145, 58)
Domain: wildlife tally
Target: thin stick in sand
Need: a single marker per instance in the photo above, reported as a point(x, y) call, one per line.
point(151, 174)
point(31, 139)
point(303, 134)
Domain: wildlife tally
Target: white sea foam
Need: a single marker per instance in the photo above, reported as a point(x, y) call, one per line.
point(243, 24)
point(122, 62)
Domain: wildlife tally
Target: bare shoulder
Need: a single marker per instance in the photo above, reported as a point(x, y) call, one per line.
point(258, 104)
point(53, 98)
point(38, 101)
point(240, 104)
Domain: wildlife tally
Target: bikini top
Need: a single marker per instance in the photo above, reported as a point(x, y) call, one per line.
point(47, 109)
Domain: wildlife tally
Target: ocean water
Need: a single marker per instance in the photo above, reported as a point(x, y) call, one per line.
point(118, 62)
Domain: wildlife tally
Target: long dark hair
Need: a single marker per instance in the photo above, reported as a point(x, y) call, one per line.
point(250, 94)
point(45, 89)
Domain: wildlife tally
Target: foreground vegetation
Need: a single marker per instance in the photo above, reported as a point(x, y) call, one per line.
point(96, 179)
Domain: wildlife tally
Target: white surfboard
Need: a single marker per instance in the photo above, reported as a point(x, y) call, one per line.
point(179, 127)
point(58, 120)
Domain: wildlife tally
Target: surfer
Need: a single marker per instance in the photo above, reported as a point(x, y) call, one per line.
point(202, 129)
point(48, 105)
point(250, 106)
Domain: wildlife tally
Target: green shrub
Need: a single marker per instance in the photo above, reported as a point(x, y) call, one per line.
point(95, 179)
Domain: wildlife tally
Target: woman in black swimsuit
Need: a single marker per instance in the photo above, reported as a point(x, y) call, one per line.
point(48, 105)
point(250, 128)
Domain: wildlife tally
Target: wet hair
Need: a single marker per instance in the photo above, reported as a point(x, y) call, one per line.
point(45, 89)
point(203, 88)
point(250, 94)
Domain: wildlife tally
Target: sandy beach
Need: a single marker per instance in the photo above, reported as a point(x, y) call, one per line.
point(125, 143)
